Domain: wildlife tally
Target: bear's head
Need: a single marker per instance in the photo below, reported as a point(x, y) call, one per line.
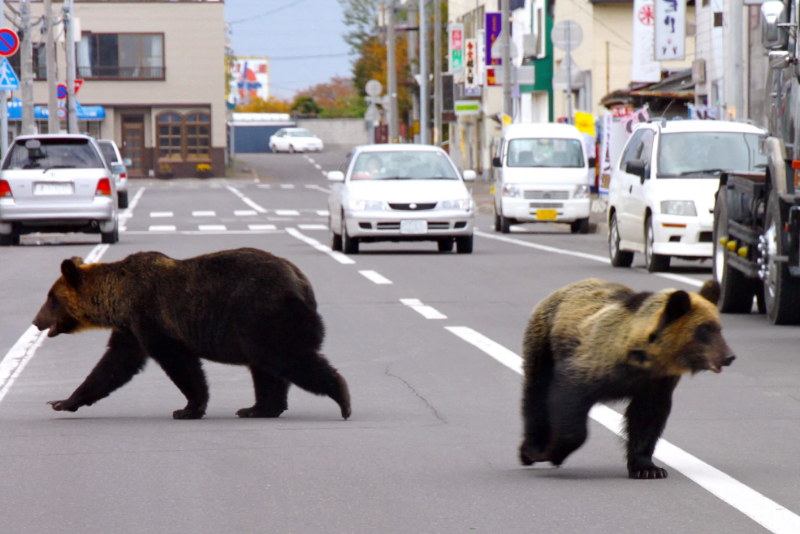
point(685, 336)
point(63, 312)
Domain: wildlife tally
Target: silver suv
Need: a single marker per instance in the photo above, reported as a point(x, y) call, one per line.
point(56, 183)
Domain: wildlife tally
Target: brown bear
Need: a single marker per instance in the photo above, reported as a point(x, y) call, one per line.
point(241, 307)
point(597, 341)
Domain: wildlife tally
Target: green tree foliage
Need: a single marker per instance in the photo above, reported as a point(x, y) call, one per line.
point(305, 106)
point(361, 16)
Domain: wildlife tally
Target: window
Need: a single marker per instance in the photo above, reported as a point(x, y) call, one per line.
point(632, 149)
point(170, 136)
point(123, 55)
point(198, 136)
point(545, 153)
point(39, 62)
point(55, 153)
point(403, 165)
point(706, 154)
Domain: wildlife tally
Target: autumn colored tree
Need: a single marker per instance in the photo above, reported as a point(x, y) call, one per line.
point(337, 98)
point(259, 105)
point(371, 65)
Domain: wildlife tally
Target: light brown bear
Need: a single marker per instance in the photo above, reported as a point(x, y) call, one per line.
point(596, 341)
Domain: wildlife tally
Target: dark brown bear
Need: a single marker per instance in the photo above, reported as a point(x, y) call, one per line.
point(597, 341)
point(241, 307)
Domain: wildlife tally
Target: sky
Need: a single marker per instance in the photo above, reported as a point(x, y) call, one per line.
point(296, 28)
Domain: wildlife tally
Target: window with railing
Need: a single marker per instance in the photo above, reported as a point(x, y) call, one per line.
point(135, 56)
point(39, 62)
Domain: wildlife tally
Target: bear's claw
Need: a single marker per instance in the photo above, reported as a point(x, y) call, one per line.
point(188, 413)
point(254, 412)
point(648, 473)
point(63, 406)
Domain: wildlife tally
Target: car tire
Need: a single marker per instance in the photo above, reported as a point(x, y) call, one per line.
point(446, 244)
point(581, 226)
point(123, 199)
point(496, 219)
point(505, 225)
point(735, 289)
point(109, 238)
point(654, 263)
point(619, 258)
point(349, 244)
point(7, 240)
point(464, 244)
point(781, 289)
point(336, 239)
point(291, 149)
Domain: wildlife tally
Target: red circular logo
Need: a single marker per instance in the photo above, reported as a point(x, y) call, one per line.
point(645, 15)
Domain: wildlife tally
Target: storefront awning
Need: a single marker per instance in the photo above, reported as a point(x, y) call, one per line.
point(85, 113)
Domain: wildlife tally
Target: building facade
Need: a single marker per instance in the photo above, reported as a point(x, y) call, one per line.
point(154, 81)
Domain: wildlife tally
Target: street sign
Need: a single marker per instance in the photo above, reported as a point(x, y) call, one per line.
point(373, 88)
point(567, 35)
point(61, 91)
point(78, 85)
point(670, 28)
point(471, 67)
point(493, 28)
point(468, 107)
point(62, 113)
point(455, 46)
point(372, 113)
point(9, 42)
point(563, 77)
point(8, 78)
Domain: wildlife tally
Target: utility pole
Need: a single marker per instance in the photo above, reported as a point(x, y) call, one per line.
point(53, 122)
point(569, 77)
point(505, 17)
point(411, 45)
point(423, 75)
point(736, 53)
point(391, 71)
point(437, 72)
point(3, 97)
point(26, 62)
point(72, 109)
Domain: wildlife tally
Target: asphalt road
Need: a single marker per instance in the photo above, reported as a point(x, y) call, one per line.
point(431, 445)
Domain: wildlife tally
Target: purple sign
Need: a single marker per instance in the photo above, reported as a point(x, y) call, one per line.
point(493, 27)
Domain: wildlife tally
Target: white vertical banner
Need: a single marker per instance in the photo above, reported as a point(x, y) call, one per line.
point(471, 80)
point(455, 47)
point(670, 29)
point(644, 68)
point(605, 155)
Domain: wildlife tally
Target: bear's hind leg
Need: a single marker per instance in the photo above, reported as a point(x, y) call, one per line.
point(534, 414)
point(271, 395)
point(312, 372)
point(569, 412)
point(185, 370)
point(645, 419)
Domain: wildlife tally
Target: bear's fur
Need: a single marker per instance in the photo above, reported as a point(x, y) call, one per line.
point(242, 307)
point(596, 341)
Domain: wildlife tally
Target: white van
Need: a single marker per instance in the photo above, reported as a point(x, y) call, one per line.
point(541, 175)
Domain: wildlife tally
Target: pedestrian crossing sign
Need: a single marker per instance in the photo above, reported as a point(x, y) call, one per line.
point(8, 78)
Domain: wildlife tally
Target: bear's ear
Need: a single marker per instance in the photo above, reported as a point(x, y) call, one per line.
point(77, 260)
point(72, 273)
point(678, 305)
point(710, 291)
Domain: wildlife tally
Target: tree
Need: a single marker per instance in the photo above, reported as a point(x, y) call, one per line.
point(371, 65)
point(305, 106)
point(259, 105)
point(362, 17)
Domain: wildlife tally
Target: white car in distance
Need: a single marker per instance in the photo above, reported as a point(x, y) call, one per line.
point(662, 191)
point(295, 140)
point(400, 193)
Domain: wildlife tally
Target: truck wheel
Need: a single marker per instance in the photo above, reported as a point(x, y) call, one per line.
point(580, 226)
point(654, 263)
point(781, 289)
point(505, 225)
point(735, 289)
point(618, 257)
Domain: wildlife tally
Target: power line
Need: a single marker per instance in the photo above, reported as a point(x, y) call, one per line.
point(270, 12)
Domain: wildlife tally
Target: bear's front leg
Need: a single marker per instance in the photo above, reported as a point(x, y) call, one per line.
point(645, 418)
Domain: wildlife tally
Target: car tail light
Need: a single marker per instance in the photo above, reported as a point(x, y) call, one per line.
point(103, 187)
point(5, 189)
point(123, 176)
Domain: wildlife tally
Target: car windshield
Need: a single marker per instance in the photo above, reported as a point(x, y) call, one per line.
point(54, 154)
point(707, 154)
point(108, 152)
point(403, 165)
point(300, 133)
point(545, 153)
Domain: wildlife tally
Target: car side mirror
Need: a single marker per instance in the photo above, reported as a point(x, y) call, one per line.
point(127, 162)
point(496, 162)
point(336, 176)
point(469, 176)
point(779, 59)
point(636, 167)
point(773, 15)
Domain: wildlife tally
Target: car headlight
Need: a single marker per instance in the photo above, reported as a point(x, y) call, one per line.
point(510, 190)
point(463, 204)
point(365, 205)
point(582, 191)
point(678, 207)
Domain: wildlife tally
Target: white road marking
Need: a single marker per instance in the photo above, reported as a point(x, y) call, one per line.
point(23, 351)
point(601, 259)
point(287, 186)
point(318, 166)
point(338, 256)
point(160, 214)
point(246, 200)
point(324, 173)
point(244, 213)
point(128, 212)
point(310, 160)
point(211, 227)
point(318, 188)
point(323, 213)
point(312, 226)
point(161, 228)
point(264, 186)
point(756, 506)
point(426, 311)
point(261, 226)
point(373, 276)
point(215, 186)
point(206, 233)
point(208, 213)
point(287, 213)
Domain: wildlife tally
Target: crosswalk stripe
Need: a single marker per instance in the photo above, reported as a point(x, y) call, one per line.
point(312, 226)
point(212, 227)
point(160, 214)
point(162, 228)
point(287, 213)
point(207, 213)
point(244, 213)
point(261, 226)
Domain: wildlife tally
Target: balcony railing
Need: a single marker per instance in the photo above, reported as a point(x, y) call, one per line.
point(122, 73)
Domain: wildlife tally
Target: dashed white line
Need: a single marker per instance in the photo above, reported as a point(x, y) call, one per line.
point(160, 214)
point(375, 277)
point(244, 213)
point(207, 213)
point(126, 215)
point(95, 254)
point(312, 226)
point(161, 228)
point(756, 506)
point(264, 186)
point(287, 213)
point(211, 227)
point(287, 186)
point(246, 200)
point(318, 188)
point(323, 213)
point(310, 160)
point(426, 311)
point(257, 227)
point(338, 256)
point(318, 166)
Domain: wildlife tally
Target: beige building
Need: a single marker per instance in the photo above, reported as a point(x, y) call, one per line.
point(157, 70)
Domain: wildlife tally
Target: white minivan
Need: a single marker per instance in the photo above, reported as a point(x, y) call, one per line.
point(541, 175)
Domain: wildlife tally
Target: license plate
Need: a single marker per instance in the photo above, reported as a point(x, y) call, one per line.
point(413, 227)
point(546, 215)
point(52, 188)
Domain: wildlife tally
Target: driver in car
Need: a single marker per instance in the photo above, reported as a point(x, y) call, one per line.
point(371, 169)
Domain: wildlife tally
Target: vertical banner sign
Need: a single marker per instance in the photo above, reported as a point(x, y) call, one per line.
point(455, 46)
point(644, 68)
point(493, 27)
point(605, 155)
point(670, 29)
point(471, 73)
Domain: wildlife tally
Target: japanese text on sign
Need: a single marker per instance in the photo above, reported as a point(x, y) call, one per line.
point(670, 26)
point(455, 46)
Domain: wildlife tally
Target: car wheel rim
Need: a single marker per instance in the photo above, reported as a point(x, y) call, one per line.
point(719, 259)
point(648, 253)
point(771, 236)
point(613, 240)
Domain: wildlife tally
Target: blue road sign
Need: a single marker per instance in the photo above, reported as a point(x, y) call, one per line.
point(9, 42)
point(8, 78)
point(61, 91)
